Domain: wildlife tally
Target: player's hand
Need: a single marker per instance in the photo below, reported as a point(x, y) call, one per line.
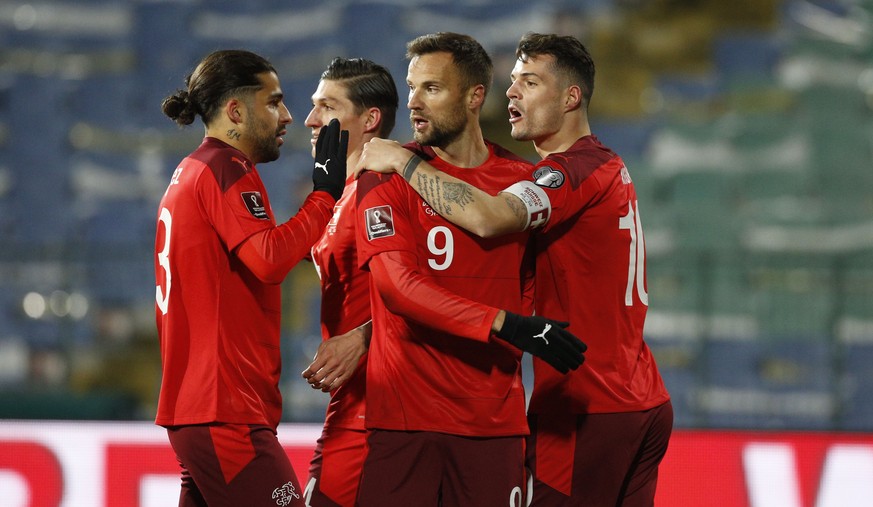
point(382, 156)
point(329, 171)
point(336, 360)
point(544, 338)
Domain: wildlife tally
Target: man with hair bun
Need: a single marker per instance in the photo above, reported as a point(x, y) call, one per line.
point(219, 260)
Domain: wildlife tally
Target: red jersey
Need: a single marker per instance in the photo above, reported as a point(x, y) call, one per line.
point(591, 272)
point(448, 376)
point(345, 303)
point(218, 323)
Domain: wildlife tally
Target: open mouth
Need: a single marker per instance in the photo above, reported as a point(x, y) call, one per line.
point(514, 114)
point(419, 123)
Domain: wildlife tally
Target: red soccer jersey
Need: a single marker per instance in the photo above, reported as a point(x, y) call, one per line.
point(591, 273)
point(218, 323)
point(345, 303)
point(434, 378)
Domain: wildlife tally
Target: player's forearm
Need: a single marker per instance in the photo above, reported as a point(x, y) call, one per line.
point(497, 324)
point(271, 253)
point(408, 294)
point(362, 333)
point(463, 204)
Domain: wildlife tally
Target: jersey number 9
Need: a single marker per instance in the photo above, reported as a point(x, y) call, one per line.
point(446, 251)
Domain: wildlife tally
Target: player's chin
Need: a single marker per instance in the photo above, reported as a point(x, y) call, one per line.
point(420, 137)
point(518, 133)
point(270, 155)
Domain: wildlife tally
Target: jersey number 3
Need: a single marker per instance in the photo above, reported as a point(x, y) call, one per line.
point(163, 297)
point(636, 266)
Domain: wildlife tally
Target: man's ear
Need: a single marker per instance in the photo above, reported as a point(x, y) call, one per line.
point(234, 109)
point(373, 121)
point(477, 96)
point(573, 98)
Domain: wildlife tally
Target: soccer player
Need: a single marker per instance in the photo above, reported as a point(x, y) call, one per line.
point(445, 401)
point(363, 97)
point(219, 259)
point(598, 434)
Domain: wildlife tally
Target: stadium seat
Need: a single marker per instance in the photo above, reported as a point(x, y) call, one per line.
point(857, 386)
point(675, 282)
point(678, 362)
point(768, 385)
point(120, 223)
point(741, 55)
point(704, 203)
point(793, 296)
point(60, 404)
point(111, 277)
point(630, 139)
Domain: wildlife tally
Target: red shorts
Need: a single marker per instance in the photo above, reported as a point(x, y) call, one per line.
point(335, 469)
point(228, 465)
point(426, 469)
point(598, 460)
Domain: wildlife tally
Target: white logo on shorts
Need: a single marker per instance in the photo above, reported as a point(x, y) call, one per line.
point(285, 494)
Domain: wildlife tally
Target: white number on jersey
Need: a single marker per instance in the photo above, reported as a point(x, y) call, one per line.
point(636, 266)
point(163, 298)
point(447, 251)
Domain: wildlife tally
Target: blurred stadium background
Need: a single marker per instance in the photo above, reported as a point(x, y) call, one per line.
point(747, 127)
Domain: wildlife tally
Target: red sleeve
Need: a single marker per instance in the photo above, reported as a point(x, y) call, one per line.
point(409, 294)
point(271, 253)
point(528, 278)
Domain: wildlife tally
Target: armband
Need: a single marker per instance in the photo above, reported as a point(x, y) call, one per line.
point(535, 200)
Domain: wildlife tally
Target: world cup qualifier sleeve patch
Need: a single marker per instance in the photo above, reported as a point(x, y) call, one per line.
point(380, 222)
point(255, 204)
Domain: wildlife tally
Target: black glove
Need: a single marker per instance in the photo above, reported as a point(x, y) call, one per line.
point(544, 338)
point(329, 172)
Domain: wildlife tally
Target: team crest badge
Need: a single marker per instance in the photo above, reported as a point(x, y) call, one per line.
point(285, 494)
point(549, 177)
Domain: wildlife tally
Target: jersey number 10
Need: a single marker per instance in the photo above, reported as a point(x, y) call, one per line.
point(636, 266)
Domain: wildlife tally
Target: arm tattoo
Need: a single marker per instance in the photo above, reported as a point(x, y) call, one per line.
point(459, 193)
point(517, 208)
point(442, 195)
point(429, 189)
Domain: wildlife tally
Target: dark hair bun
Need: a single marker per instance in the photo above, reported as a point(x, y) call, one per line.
point(178, 108)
